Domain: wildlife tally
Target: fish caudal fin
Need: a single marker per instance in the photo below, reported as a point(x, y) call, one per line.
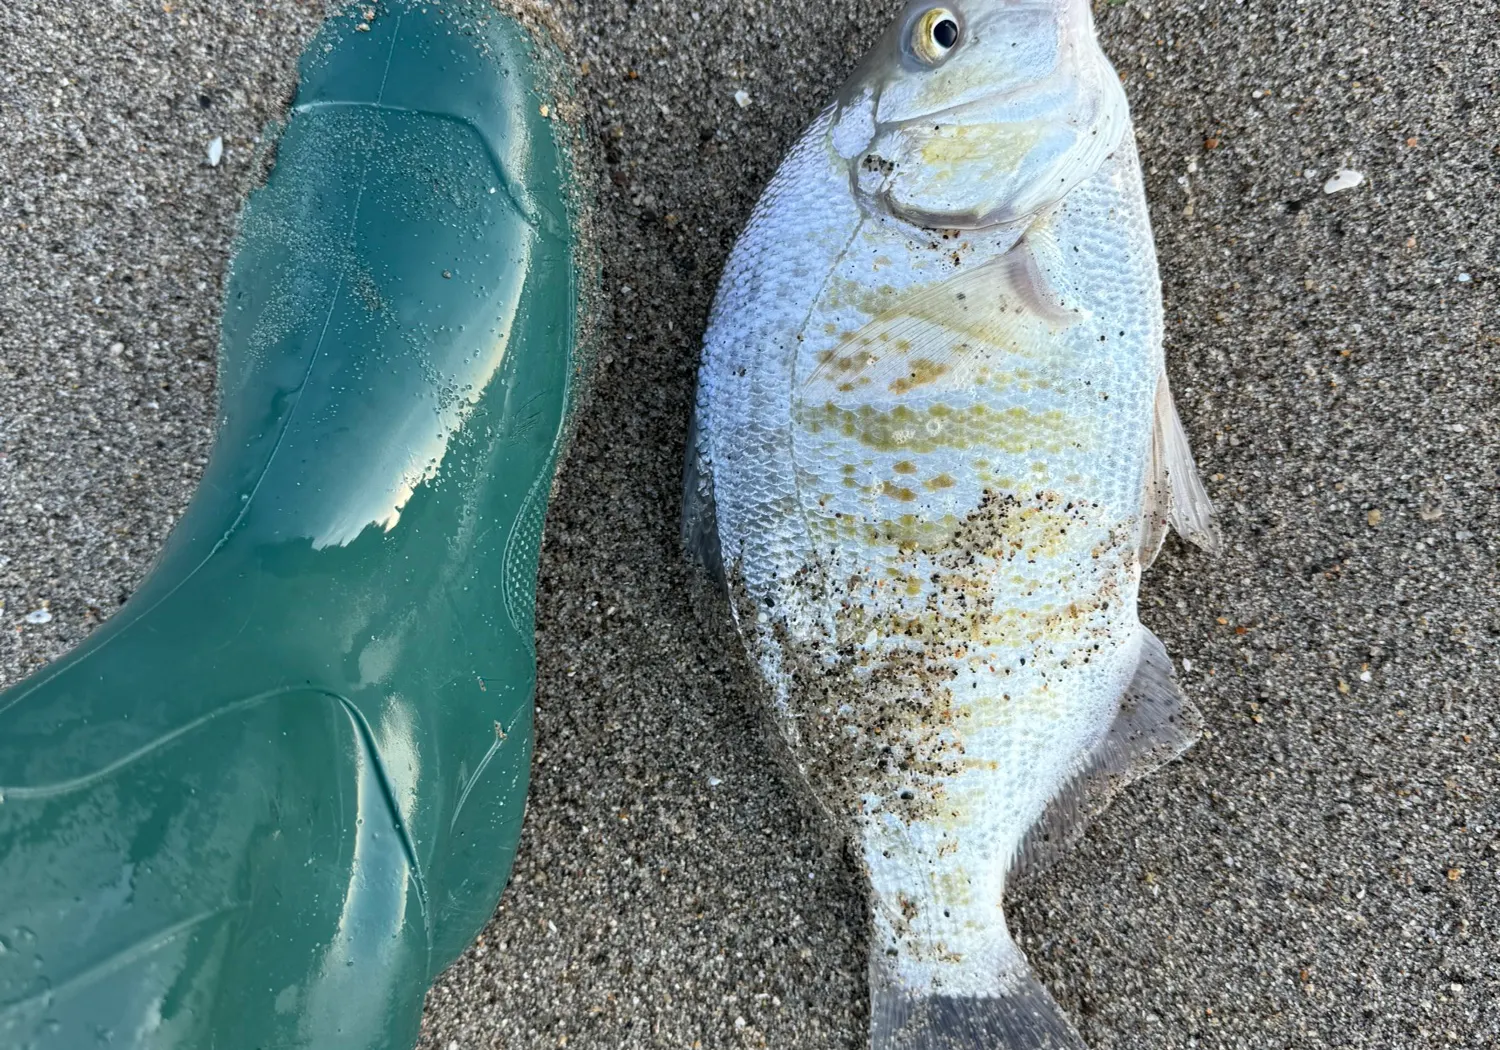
point(1022, 1017)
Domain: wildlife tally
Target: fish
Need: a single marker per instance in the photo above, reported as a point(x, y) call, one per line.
point(933, 448)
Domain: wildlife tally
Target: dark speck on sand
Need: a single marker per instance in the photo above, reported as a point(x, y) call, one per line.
point(1322, 870)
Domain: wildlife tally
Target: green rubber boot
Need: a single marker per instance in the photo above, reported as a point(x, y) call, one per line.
point(282, 788)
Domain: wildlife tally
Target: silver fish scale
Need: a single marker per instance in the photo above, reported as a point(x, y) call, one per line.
point(744, 390)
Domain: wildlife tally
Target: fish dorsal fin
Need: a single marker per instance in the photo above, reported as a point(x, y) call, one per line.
point(1174, 491)
point(700, 526)
point(1154, 725)
point(949, 336)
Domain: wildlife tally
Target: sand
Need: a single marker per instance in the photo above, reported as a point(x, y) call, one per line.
point(1322, 870)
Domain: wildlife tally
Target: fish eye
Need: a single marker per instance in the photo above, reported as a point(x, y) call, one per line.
point(933, 35)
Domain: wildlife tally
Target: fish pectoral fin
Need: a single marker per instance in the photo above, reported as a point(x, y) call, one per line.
point(1174, 492)
point(949, 336)
point(1155, 724)
point(700, 526)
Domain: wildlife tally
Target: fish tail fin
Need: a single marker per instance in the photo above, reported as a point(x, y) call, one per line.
point(1021, 1016)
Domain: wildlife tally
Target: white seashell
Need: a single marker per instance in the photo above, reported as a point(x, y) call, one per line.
point(1343, 179)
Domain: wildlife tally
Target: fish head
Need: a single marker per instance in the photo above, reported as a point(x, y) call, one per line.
point(970, 114)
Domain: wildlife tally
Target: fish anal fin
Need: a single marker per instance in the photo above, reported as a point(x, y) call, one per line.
point(1155, 724)
point(947, 336)
point(1174, 492)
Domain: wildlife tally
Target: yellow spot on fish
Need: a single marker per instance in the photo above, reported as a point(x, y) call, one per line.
point(999, 147)
point(920, 373)
point(1013, 430)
